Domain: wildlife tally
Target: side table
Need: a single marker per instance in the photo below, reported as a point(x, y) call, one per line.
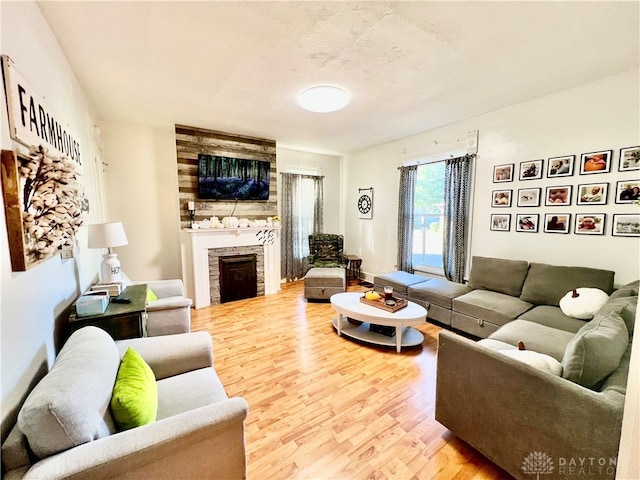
point(120, 320)
point(353, 268)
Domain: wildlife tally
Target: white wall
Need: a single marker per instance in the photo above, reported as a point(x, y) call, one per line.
point(141, 181)
point(32, 302)
point(295, 161)
point(597, 116)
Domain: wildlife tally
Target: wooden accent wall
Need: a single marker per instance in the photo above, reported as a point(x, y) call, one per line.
point(191, 141)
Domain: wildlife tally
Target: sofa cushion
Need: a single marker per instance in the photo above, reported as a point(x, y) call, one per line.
point(536, 337)
point(552, 317)
point(628, 290)
point(204, 388)
point(399, 280)
point(625, 307)
point(438, 291)
point(70, 405)
point(135, 395)
point(493, 307)
point(534, 359)
point(498, 275)
point(596, 350)
point(547, 284)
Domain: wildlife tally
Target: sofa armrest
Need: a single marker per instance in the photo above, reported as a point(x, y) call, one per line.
point(170, 355)
point(166, 288)
point(169, 303)
point(507, 409)
point(207, 442)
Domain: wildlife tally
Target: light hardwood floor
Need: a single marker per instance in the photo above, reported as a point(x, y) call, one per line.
point(326, 407)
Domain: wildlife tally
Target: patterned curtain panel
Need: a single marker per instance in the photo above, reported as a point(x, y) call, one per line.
point(408, 177)
point(456, 206)
point(302, 199)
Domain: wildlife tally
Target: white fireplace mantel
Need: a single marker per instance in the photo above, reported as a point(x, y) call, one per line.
point(195, 245)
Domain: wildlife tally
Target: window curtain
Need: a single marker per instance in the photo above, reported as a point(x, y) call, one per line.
point(408, 177)
point(456, 207)
point(302, 202)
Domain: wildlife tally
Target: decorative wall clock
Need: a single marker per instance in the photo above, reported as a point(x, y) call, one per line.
point(365, 203)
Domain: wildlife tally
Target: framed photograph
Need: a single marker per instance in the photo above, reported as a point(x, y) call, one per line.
point(627, 191)
point(589, 224)
point(558, 196)
point(529, 197)
point(592, 194)
point(557, 222)
point(595, 162)
point(503, 173)
point(500, 222)
point(626, 225)
point(560, 166)
point(527, 223)
point(531, 170)
point(501, 198)
point(629, 159)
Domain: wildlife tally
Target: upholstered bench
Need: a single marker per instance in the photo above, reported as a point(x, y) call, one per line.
point(400, 281)
point(437, 297)
point(320, 283)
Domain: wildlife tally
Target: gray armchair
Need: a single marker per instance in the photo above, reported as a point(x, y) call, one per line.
point(171, 312)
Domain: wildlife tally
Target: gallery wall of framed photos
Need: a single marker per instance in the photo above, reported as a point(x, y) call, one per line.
point(563, 194)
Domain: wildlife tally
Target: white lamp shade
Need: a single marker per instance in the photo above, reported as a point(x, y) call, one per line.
point(106, 235)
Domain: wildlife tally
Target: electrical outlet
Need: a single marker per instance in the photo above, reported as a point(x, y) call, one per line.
point(66, 253)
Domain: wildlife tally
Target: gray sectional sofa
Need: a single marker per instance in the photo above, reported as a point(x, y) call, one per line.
point(499, 291)
point(556, 408)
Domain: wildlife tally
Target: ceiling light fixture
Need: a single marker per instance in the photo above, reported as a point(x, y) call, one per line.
point(323, 99)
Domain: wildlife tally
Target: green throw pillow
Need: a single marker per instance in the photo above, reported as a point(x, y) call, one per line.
point(135, 395)
point(151, 297)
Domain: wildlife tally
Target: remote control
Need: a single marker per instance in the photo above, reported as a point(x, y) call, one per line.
point(121, 300)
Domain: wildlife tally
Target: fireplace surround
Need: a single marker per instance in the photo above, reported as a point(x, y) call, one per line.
point(197, 244)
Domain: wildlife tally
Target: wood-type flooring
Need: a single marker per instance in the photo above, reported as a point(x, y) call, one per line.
point(327, 407)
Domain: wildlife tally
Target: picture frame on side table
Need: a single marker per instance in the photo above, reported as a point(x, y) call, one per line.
point(560, 166)
point(501, 198)
point(527, 222)
point(529, 197)
point(590, 224)
point(503, 173)
point(500, 222)
point(557, 222)
point(559, 195)
point(629, 159)
point(595, 162)
point(531, 170)
point(627, 191)
point(626, 225)
point(592, 194)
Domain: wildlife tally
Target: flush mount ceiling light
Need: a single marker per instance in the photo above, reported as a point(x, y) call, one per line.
point(323, 99)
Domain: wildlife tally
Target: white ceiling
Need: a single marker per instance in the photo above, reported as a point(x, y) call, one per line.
point(408, 66)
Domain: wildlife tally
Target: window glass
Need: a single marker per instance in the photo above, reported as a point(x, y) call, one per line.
point(428, 217)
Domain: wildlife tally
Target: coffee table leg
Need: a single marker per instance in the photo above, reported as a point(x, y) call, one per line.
point(398, 338)
point(339, 324)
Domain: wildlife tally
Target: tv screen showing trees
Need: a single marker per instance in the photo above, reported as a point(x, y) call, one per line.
point(224, 178)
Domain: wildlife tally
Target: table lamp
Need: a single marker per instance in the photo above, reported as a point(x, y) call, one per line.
point(108, 235)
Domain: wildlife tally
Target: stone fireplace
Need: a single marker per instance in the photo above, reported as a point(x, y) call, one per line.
point(201, 275)
point(236, 273)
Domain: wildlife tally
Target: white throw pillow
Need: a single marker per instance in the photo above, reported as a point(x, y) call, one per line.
point(535, 359)
point(583, 303)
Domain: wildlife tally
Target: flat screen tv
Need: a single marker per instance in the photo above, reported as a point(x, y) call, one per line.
point(225, 178)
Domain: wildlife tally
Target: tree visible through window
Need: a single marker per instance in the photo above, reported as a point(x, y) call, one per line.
point(428, 216)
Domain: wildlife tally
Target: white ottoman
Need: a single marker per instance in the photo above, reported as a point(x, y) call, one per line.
point(321, 283)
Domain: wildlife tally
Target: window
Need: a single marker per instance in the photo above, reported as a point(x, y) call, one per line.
point(428, 218)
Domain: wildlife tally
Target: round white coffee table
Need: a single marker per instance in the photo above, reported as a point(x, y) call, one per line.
point(348, 305)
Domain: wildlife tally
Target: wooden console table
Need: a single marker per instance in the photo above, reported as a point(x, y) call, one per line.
point(120, 320)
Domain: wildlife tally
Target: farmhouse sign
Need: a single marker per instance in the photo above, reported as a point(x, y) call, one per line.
point(31, 121)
